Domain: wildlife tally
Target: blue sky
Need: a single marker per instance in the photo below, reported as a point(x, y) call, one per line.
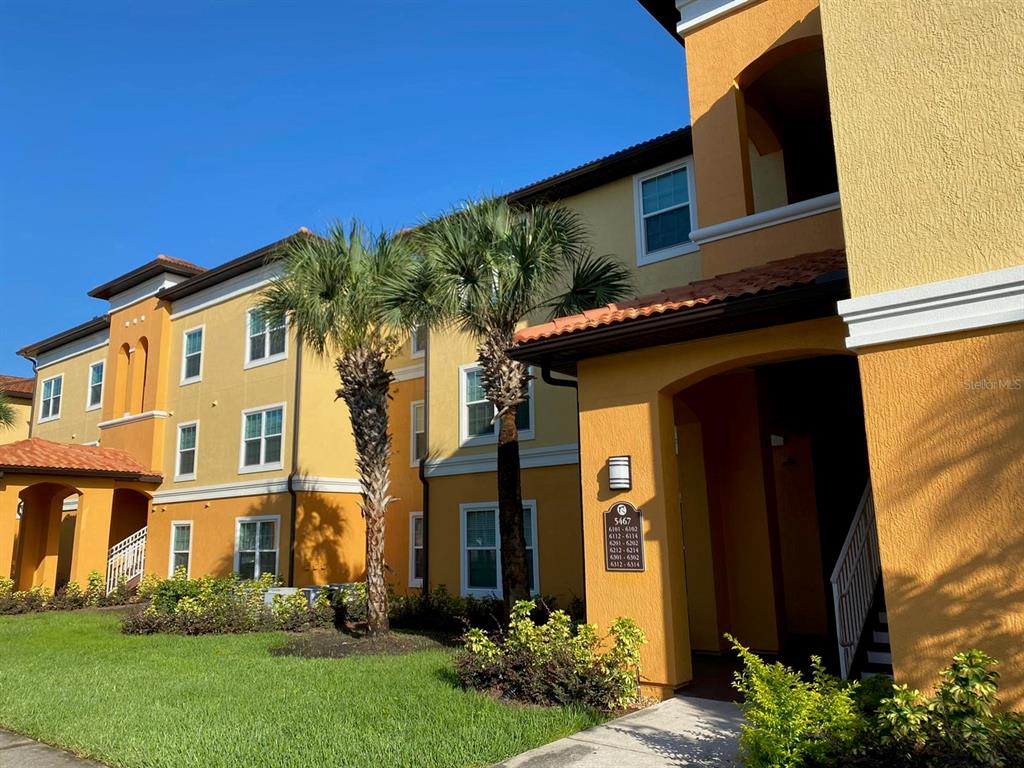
point(207, 129)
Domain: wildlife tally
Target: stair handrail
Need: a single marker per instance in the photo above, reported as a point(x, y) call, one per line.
point(126, 559)
point(854, 580)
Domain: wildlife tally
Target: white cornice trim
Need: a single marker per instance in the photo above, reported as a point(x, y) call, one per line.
point(409, 372)
point(328, 484)
point(765, 219)
point(133, 417)
point(247, 282)
point(694, 14)
point(143, 290)
point(223, 491)
point(530, 458)
point(961, 304)
point(73, 349)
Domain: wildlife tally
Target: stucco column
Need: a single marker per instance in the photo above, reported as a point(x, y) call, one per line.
point(8, 525)
point(92, 533)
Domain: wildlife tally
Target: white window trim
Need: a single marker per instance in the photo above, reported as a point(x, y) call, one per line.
point(465, 590)
point(238, 538)
point(414, 350)
point(170, 554)
point(42, 388)
point(249, 362)
point(88, 386)
point(413, 461)
point(465, 440)
point(413, 517)
point(266, 467)
point(178, 477)
point(643, 258)
point(184, 381)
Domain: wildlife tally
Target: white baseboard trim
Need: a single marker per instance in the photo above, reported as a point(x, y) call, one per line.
point(962, 304)
point(223, 491)
point(529, 458)
point(328, 484)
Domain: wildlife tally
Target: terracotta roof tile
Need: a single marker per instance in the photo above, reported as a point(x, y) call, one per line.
point(179, 262)
point(36, 454)
point(17, 385)
point(783, 273)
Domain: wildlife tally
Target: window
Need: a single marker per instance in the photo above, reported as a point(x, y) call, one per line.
point(262, 431)
point(94, 399)
point(49, 402)
point(477, 413)
point(181, 548)
point(188, 443)
point(256, 546)
point(267, 339)
point(481, 549)
point(418, 449)
point(419, 340)
point(416, 550)
point(664, 212)
point(192, 356)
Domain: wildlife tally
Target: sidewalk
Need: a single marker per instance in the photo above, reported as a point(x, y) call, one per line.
point(21, 752)
point(677, 732)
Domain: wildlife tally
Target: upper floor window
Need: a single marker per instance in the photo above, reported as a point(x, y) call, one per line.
point(256, 546)
point(477, 423)
point(192, 356)
point(481, 549)
point(267, 340)
point(418, 449)
point(262, 434)
point(665, 213)
point(49, 401)
point(94, 398)
point(418, 340)
point(188, 445)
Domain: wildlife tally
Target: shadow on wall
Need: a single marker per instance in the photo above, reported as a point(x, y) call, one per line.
point(323, 547)
point(955, 527)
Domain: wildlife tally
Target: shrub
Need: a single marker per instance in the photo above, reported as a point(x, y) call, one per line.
point(441, 611)
point(68, 598)
point(148, 585)
point(28, 601)
point(96, 589)
point(556, 662)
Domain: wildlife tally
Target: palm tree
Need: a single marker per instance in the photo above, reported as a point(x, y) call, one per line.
point(490, 266)
point(331, 291)
point(7, 417)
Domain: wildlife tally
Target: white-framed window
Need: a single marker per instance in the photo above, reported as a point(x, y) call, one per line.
point(188, 450)
point(417, 551)
point(94, 397)
point(666, 212)
point(266, 339)
point(418, 428)
point(256, 545)
point(192, 355)
point(262, 438)
point(480, 548)
point(49, 400)
point(181, 547)
point(418, 340)
point(476, 413)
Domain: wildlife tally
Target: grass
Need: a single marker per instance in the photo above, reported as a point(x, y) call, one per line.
point(73, 680)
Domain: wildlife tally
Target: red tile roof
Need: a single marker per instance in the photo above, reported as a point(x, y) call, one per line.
point(36, 455)
point(783, 273)
point(17, 386)
point(179, 262)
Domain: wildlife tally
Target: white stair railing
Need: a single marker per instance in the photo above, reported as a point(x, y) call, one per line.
point(854, 580)
point(126, 560)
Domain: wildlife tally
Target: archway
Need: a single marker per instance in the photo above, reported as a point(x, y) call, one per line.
point(45, 538)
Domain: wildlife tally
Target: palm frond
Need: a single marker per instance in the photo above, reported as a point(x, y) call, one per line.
point(7, 415)
point(593, 282)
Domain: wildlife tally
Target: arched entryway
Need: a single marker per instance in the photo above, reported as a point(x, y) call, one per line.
point(44, 545)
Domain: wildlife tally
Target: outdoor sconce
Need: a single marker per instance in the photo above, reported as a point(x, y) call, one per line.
point(620, 474)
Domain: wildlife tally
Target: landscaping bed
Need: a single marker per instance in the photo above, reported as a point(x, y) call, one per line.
point(331, 644)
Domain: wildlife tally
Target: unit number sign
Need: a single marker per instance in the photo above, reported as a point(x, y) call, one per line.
point(623, 538)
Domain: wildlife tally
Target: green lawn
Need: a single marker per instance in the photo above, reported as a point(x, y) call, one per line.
point(73, 680)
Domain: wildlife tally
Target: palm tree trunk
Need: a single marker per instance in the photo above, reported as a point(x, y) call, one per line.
point(514, 580)
point(365, 385)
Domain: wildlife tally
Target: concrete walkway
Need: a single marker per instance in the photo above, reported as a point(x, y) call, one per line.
point(18, 751)
point(679, 732)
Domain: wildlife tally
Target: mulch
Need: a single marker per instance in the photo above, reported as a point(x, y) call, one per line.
point(332, 644)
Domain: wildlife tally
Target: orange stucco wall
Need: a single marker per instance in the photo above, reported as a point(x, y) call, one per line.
point(626, 407)
point(945, 424)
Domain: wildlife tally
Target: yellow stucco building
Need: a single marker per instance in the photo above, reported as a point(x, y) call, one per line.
point(806, 432)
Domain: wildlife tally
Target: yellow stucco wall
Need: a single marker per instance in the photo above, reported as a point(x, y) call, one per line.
point(22, 421)
point(927, 118)
point(626, 407)
point(76, 424)
point(945, 424)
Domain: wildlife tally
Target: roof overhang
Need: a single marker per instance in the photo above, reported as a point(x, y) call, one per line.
point(66, 472)
point(64, 337)
point(745, 313)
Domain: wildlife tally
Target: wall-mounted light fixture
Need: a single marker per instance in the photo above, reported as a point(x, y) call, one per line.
point(620, 474)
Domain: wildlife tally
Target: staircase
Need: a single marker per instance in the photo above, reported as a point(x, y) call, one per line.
point(126, 560)
point(862, 625)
